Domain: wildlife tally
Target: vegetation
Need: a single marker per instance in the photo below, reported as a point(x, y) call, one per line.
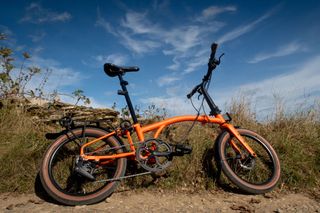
point(294, 136)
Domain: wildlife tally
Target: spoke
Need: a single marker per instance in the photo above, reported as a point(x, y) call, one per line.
point(252, 170)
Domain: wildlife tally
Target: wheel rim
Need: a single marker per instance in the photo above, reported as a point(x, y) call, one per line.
point(61, 165)
point(259, 170)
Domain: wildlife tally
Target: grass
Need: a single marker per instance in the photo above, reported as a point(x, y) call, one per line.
point(22, 145)
point(295, 137)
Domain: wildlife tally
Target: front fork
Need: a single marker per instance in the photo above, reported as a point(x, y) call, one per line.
point(233, 131)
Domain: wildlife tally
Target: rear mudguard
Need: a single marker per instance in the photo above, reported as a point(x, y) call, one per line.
point(54, 136)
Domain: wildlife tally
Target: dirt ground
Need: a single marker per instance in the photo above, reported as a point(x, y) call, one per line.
point(170, 201)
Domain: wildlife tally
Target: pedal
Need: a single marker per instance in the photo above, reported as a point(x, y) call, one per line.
point(181, 149)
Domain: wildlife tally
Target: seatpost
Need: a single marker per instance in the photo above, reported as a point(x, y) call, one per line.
point(125, 93)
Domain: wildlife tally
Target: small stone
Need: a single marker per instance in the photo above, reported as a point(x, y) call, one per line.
point(241, 208)
point(254, 201)
point(20, 205)
point(267, 196)
point(10, 207)
point(36, 201)
point(277, 211)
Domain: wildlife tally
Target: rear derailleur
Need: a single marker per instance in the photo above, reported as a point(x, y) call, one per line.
point(84, 168)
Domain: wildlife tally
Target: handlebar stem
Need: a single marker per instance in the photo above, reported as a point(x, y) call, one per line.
point(213, 107)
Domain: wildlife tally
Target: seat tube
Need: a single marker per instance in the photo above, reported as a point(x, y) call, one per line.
point(127, 97)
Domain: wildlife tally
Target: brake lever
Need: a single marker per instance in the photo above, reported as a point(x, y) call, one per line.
point(219, 60)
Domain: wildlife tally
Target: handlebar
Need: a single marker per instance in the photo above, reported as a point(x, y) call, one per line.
point(195, 89)
point(214, 47)
point(213, 62)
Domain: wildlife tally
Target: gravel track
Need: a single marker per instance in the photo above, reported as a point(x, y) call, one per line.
point(170, 201)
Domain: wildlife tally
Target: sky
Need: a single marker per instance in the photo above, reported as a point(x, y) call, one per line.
point(272, 49)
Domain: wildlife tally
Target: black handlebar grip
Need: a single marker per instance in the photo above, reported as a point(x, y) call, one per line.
point(214, 47)
point(194, 90)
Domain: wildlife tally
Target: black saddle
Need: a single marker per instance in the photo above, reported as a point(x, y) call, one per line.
point(113, 70)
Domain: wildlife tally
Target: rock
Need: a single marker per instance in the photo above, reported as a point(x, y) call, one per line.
point(10, 207)
point(20, 205)
point(51, 112)
point(268, 196)
point(35, 201)
point(254, 201)
point(241, 208)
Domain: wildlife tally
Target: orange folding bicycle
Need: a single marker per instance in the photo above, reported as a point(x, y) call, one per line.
point(85, 164)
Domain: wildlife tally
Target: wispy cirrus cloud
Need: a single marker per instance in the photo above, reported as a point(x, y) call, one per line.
point(213, 11)
point(167, 80)
point(132, 24)
point(118, 59)
point(137, 32)
point(36, 14)
point(285, 50)
point(139, 23)
point(101, 22)
point(139, 46)
point(59, 78)
point(37, 36)
point(97, 61)
point(239, 31)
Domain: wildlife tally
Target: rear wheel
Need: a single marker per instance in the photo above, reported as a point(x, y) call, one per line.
point(253, 175)
point(64, 184)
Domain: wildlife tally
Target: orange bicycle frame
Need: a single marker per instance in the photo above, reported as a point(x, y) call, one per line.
point(158, 127)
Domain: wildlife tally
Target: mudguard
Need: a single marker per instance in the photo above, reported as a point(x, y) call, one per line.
point(54, 136)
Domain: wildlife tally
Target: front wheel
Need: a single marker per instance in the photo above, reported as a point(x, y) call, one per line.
point(58, 174)
point(254, 175)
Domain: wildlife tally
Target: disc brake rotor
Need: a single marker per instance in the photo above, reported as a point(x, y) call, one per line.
point(154, 155)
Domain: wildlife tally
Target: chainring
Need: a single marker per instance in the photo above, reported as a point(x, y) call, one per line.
point(154, 155)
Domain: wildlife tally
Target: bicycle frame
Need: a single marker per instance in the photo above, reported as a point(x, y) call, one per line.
point(159, 126)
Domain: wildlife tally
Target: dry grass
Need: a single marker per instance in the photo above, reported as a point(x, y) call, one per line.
point(295, 137)
point(22, 144)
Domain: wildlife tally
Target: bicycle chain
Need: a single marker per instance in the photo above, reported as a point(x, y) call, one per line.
point(123, 177)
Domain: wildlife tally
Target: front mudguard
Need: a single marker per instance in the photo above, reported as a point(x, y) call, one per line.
point(217, 145)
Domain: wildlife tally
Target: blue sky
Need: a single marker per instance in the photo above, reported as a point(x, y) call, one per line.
point(272, 49)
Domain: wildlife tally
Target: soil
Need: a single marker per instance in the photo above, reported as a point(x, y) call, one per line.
point(171, 201)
